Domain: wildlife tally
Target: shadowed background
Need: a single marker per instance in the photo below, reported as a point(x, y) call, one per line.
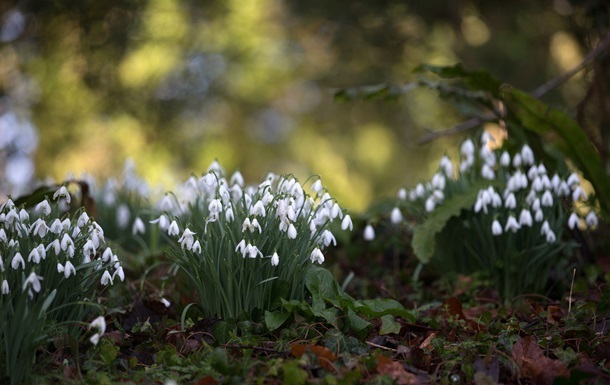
point(174, 85)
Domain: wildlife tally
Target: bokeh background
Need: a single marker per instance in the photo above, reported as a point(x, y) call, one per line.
point(173, 85)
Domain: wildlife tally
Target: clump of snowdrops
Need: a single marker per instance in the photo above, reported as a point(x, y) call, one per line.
point(245, 247)
point(51, 268)
point(509, 220)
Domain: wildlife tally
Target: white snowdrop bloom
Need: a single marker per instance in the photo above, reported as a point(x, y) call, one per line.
point(258, 209)
point(229, 216)
point(347, 223)
point(173, 229)
point(17, 260)
point(5, 288)
point(13, 244)
point(369, 233)
point(563, 189)
point(328, 238)
point(3, 235)
point(66, 224)
point(118, 272)
point(83, 219)
point(252, 251)
point(505, 159)
point(215, 206)
point(55, 245)
point(196, 247)
point(545, 228)
point(483, 199)
point(591, 219)
point(487, 172)
point(538, 216)
point(496, 227)
point(34, 256)
point(312, 227)
point(208, 182)
point(467, 148)
point(537, 184)
point(317, 256)
point(446, 166)
point(241, 247)
point(547, 199)
point(292, 215)
point(546, 182)
point(237, 179)
point(488, 156)
point(510, 202)
point(401, 194)
point(531, 197)
point(578, 193)
point(43, 208)
point(76, 231)
point(430, 204)
point(39, 227)
point(106, 278)
point(573, 221)
point(56, 227)
point(396, 215)
point(466, 163)
point(248, 200)
point(122, 216)
point(284, 223)
point(573, 179)
point(535, 204)
point(267, 198)
point(69, 269)
point(165, 302)
point(95, 339)
point(335, 211)
point(187, 239)
point(66, 241)
point(317, 187)
point(292, 232)
point(525, 218)
point(555, 181)
point(527, 155)
point(23, 215)
point(532, 173)
point(100, 325)
point(550, 236)
point(138, 227)
point(62, 193)
point(512, 224)
point(275, 259)
point(517, 160)
point(1, 264)
point(236, 192)
point(438, 181)
point(33, 280)
point(420, 190)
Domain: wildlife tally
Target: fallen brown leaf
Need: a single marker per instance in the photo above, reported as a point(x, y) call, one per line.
point(386, 366)
point(534, 364)
point(325, 356)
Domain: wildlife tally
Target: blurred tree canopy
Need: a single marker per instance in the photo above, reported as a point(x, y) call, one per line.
point(175, 84)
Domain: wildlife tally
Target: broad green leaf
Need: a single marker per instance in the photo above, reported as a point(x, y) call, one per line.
point(389, 325)
point(478, 80)
point(382, 306)
point(274, 320)
point(424, 235)
point(320, 284)
point(569, 137)
point(108, 352)
point(293, 374)
point(357, 324)
point(36, 196)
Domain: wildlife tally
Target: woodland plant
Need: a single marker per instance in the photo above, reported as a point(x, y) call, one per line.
point(245, 247)
point(501, 215)
point(52, 265)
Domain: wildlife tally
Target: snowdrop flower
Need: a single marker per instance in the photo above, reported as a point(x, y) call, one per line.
point(550, 236)
point(527, 155)
point(430, 204)
point(573, 180)
point(215, 206)
point(173, 229)
point(538, 215)
point(467, 148)
point(100, 324)
point(401, 194)
point(33, 280)
point(532, 173)
point(512, 224)
point(547, 199)
point(510, 202)
point(196, 247)
point(187, 239)
point(369, 233)
point(578, 193)
point(335, 211)
point(165, 302)
point(56, 227)
point(537, 184)
point(438, 181)
point(317, 256)
point(62, 192)
point(237, 179)
point(122, 216)
point(483, 198)
point(106, 278)
point(327, 238)
point(43, 207)
point(229, 216)
point(275, 259)
point(446, 165)
point(396, 215)
point(517, 160)
point(5, 288)
point(525, 218)
point(66, 241)
point(138, 227)
point(573, 221)
point(67, 270)
point(40, 228)
point(258, 209)
point(4, 239)
point(34, 256)
point(505, 159)
point(83, 219)
point(591, 219)
point(119, 272)
point(487, 172)
point(252, 251)
point(24, 216)
point(292, 232)
point(420, 190)
point(17, 260)
point(347, 223)
point(317, 187)
point(496, 228)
